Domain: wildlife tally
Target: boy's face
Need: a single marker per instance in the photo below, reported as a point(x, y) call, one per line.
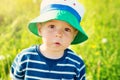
point(56, 34)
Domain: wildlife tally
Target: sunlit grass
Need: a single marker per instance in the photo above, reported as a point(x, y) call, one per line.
point(101, 22)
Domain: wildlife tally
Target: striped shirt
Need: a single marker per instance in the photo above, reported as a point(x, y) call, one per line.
point(30, 64)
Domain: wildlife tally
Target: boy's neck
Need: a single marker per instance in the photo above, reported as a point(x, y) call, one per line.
point(49, 53)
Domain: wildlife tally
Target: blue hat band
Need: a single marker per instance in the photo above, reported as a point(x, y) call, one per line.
point(61, 7)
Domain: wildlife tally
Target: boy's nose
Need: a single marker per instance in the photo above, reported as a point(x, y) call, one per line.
point(59, 33)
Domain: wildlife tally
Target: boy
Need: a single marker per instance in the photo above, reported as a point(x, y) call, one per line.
point(58, 25)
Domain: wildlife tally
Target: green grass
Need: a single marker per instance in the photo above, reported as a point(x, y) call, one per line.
point(101, 52)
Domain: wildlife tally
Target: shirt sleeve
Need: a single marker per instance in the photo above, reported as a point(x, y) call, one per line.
point(81, 72)
point(18, 68)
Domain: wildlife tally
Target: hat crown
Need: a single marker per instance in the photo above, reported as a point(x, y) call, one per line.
point(71, 3)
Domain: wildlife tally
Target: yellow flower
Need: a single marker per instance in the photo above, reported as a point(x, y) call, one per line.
point(97, 53)
point(93, 46)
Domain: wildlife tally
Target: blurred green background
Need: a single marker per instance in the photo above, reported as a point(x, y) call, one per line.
point(101, 22)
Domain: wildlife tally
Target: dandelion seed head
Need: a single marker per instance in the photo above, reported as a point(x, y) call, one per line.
point(2, 57)
point(104, 40)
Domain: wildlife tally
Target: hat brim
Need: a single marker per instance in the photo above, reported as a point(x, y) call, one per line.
point(59, 15)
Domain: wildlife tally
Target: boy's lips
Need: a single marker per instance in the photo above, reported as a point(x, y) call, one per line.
point(57, 43)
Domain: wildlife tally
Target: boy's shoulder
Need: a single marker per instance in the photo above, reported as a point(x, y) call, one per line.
point(32, 50)
point(74, 57)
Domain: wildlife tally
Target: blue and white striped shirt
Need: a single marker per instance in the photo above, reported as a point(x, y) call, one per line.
point(30, 64)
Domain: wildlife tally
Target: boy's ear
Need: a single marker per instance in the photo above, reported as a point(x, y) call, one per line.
point(75, 33)
point(39, 28)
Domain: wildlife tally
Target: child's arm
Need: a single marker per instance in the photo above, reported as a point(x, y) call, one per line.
point(81, 72)
point(17, 68)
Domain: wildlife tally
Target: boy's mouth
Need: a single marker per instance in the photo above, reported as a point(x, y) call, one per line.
point(57, 43)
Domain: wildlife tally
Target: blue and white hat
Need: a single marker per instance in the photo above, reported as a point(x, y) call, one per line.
point(70, 11)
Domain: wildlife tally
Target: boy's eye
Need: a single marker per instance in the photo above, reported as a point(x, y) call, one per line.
point(68, 29)
point(51, 26)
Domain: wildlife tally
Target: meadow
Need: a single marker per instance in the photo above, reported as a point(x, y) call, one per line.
point(101, 52)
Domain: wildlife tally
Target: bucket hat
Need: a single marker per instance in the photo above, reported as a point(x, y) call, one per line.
point(69, 11)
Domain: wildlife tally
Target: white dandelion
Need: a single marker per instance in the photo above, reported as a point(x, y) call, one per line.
point(104, 40)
